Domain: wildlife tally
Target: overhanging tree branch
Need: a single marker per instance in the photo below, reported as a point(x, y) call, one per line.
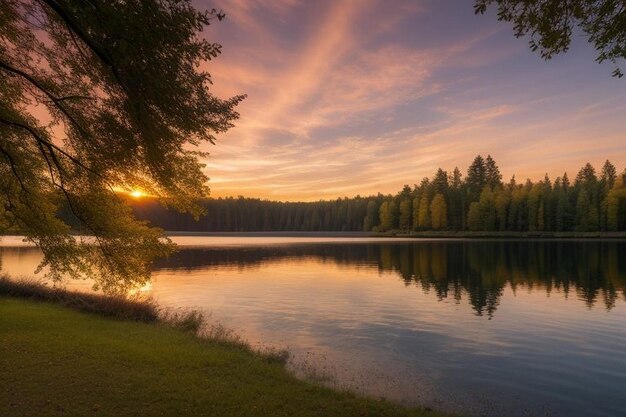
point(56, 100)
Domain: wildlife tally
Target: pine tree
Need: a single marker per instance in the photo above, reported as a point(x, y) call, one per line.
point(487, 207)
point(456, 212)
point(583, 208)
point(476, 178)
point(607, 181)
point(502, 205)
point(534, 202)
point(493, 177)
point(473, 217)
point(550, 201)
point(440, 182)
point(609, 174)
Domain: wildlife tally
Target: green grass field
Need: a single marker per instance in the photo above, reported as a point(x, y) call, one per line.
point(55, 361)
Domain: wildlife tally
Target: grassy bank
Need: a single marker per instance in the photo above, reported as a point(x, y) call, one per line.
point(58, 361)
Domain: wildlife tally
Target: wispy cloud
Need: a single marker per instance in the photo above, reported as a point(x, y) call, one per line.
point(354, 97)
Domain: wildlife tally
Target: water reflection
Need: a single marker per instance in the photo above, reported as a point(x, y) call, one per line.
point(408, 319)
point(593, 271)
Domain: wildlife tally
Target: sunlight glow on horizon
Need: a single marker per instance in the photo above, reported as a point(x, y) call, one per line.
point(344, 100)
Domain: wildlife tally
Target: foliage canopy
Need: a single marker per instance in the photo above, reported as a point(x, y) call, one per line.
point(551, 24)
point(97, 97)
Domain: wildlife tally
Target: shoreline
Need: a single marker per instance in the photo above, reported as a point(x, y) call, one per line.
point(416, 235)
point(14, 240)
point(87, 354)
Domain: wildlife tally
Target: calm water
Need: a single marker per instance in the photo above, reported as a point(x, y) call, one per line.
point(496, 328)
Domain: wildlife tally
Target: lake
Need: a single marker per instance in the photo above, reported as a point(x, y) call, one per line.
point(483, 327)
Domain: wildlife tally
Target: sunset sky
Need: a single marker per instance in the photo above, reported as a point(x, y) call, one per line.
point(358, 97)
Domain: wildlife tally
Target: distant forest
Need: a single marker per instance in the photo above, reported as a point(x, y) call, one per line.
point(478, 201)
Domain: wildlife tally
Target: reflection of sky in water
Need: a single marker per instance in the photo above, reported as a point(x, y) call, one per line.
point(352, 313)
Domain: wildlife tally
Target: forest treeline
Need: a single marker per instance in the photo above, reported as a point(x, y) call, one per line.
point(478, 201)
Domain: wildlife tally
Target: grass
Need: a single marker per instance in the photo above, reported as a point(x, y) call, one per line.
point(109, 306)
point(57, 361)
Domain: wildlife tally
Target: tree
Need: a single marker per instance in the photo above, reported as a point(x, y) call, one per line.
point(607, 181)
point(535, 201)
point(416, 213)
point(564, 209)
point(615, 197)
point(609, 174)
point(371, 219)
point(502, 204)
point(474, 220)
point(487, 209)
point(586, 219)
point(439, 212)
point(456, 210)
point(551, 23)
point(518, 215)
point(405, 215)
point(440, 182)
point(476, 178)
point(424, 221)
point(97, 97)
point(493, 178)
point(388, 215)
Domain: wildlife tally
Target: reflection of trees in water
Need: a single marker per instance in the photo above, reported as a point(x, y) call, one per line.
point(479, 270)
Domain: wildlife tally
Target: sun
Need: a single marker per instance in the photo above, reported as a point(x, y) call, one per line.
point(136, 193)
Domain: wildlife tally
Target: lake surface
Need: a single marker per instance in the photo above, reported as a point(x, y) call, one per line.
point(494, 328)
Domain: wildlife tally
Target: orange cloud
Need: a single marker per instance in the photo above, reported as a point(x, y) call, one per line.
point(350, 97)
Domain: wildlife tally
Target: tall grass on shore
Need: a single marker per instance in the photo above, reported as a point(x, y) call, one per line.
point(137, 309)
point(143, 310)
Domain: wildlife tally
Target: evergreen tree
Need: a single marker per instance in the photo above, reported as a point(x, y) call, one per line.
point(456, 212)
point(502, 205)
point(474, 221)
point(493, 177)
point(564, 210)
point(609, 174)
point(587, 175)
point(565, 182)
point(550, 202)
point(440, 182)
point(607, 181)
point(517, 216)
point(583, 211)
point(487, 208)
point(534, 202)
point(476, 178)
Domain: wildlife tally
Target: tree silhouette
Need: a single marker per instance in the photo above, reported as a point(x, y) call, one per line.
point(551, 23)
point(99, 96)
